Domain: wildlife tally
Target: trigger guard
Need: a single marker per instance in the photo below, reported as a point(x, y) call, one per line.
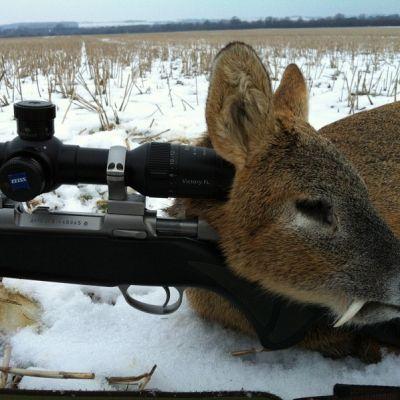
point(152, 308)
point(167, 296)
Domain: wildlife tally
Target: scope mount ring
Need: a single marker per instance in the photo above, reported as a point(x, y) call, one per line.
point(116, 173)
point(153, 308)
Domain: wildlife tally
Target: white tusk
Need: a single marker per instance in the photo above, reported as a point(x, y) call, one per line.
point(353, 309)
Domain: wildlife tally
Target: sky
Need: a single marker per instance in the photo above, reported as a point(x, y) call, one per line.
point(161, 10)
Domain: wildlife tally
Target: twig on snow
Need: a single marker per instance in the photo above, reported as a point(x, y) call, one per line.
point(142, 379)
point(47, 374)
point(151, 138)
point(239, 353)
point(6, 364)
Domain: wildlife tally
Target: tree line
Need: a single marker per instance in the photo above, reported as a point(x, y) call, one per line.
point(339, 20)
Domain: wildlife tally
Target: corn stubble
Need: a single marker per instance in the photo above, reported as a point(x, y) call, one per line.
point(85, 69)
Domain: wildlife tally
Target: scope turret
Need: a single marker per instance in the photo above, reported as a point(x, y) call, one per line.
point(35, 119)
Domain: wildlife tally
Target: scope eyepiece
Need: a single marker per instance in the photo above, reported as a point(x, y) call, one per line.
point(35, 119)
point(172, 170)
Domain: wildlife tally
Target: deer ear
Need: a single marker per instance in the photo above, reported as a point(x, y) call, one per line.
point(291, 97)
point(239, 110)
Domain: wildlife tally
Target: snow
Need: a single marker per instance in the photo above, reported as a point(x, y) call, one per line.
point(108, 337)
point(97, 24)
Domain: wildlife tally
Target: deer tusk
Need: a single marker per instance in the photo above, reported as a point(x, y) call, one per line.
point(353, 309)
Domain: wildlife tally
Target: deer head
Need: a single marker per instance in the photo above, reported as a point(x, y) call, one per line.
point(298, 220)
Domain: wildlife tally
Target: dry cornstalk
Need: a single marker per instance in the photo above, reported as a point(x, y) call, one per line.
point(16, 380)
point(128, 90)
point(47, 374)
point(240, 353)
point(69, 106)
point(151, 138)
point(159, 109)
point(6, 364)
point(145, 378)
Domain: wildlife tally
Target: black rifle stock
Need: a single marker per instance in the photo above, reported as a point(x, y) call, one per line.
point(97, 259)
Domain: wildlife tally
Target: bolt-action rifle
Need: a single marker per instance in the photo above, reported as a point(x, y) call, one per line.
point(128, 244)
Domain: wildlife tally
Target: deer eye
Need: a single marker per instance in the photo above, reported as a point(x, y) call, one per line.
point(319, 210)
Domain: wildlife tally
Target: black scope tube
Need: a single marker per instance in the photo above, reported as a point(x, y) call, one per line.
point(36, 162)
point(153, 169)
point(81, 165)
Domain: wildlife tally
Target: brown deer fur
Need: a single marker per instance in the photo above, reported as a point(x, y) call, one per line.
point(282, 163)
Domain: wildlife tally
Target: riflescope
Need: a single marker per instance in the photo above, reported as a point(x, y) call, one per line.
point(36, 162)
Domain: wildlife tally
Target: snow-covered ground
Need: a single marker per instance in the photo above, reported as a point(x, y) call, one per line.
point(108, 337)
point(94, 24)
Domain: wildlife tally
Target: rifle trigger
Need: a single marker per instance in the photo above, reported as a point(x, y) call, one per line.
point(152, 308)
